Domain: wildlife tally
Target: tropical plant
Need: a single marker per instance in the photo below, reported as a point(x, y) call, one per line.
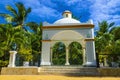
point(115, 47)
point(107, 42)
point(31, 41)
point(58, 57)
point(16, 18)
point(17, 15)
point(8, 36)
point(116, 32)
point(36, 38)
point(75, 53)
point(103, 37)
point(104, 27)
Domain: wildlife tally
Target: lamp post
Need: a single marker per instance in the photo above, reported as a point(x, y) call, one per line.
point(14, 46)
point(13, 53)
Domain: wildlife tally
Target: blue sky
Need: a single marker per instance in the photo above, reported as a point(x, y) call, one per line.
point(51, 10)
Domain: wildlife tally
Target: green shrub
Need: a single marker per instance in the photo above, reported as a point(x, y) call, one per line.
point(3, 63)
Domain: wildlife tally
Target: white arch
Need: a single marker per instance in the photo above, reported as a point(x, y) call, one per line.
point(68, 36)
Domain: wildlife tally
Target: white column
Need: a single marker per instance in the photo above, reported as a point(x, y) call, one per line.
point(45, 55)
point(67, 56)
point(90, 54)
point(12, 58)
point(84, 58)
point(51, 55)
point(105, 62)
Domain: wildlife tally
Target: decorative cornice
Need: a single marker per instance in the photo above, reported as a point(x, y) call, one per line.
point(46, 40)
point(83, 47)
point(69, 26)
point(66, 12)
point(89, 39)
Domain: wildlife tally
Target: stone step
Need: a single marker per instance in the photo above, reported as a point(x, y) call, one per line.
point(71, 73)
point(76, 70)
point(66, 67)
point(68, 70)
point(62, 66)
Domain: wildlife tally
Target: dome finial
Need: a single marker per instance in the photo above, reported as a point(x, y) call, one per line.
point(67, 14)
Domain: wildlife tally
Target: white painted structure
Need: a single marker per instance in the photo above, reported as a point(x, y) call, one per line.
point(12, 58)
point(68, 30)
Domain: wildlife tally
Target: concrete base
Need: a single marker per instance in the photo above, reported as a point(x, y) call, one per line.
point(90, 64)
point(45, 63)
point(10, 65)
point(67, 64)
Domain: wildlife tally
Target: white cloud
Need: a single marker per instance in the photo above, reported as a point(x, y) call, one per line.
point(97, 10)
point(31, 3)
point(41, 10)
point(70, 2)
point(45, 12)
point(105, 10)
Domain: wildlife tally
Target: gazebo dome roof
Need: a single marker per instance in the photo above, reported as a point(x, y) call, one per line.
point(67, 18)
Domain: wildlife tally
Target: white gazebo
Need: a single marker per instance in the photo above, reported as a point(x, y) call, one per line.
point(68, 30)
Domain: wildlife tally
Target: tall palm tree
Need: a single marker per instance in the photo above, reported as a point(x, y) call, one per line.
point(17, 16)
point(115, 48)
point(103, 37)
point(104, 27)
point(8, 36)
point(36, 40)
point(116, 32)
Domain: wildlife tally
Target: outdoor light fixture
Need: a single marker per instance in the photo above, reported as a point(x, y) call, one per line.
point(14, 46)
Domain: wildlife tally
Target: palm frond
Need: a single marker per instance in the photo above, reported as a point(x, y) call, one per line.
point(12, 10)
point(111, 24)
point(32, 25)
point(7, 17)
point(27, 12)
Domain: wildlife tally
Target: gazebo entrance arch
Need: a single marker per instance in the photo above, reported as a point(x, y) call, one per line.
point(68, 30)
point(58, 54)
point(65, 37)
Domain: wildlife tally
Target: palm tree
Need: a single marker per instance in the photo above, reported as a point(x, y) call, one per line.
point(103, 37)
point(104, 40)
point(116, 32)
point(35, 38)
point(115, 48)
point(104, 27)
point(27, 42)
point(16, 16)
point(8, 36)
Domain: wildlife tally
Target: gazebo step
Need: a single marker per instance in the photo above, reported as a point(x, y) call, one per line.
point(75, 70)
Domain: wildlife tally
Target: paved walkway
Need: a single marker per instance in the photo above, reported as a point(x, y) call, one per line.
point(52, 77)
